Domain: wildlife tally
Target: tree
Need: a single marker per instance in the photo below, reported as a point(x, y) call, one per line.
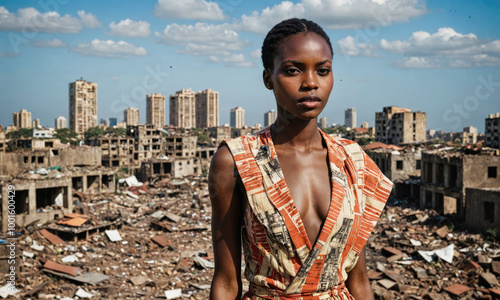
point(93, 133)
point(22, 133)
point(66, 135)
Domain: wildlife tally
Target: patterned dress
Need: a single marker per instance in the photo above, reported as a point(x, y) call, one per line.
point(280, 261)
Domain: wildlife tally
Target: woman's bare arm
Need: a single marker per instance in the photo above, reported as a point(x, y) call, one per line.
point(357, 282)
point(224, 183)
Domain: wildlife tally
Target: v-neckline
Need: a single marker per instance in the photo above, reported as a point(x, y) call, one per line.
point(322, 234)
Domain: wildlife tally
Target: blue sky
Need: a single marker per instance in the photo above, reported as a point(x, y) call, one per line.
point(440, 57)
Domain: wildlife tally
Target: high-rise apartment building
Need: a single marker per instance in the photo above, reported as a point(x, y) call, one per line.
point(60, 122)
point(131, 116)
point(155, 110)
point(207, 108)
point(237, 117)
point(270, 117)
point(21, 119)
point(36, 123)
point(113, 122)
point(323, 123)
point(350, 117)
point(395, 125)
point(82, 105)
point(492, 128)
point(183, 109)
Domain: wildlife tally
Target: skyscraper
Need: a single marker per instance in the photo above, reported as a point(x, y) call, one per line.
point(155, 110)
point(82, 105)
point(395, 125)
point(237, 117)
point(183, 109)
point(207, 109)
point(36, 123)
point(269, 117)
point(113, 122)
point(492, 128)
point(21, 119)
point(60, 122)
point(131, 116)
point(323, 123)
point(350, 117)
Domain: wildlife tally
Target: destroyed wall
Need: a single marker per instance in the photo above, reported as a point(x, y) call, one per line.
point(147, 142)
point(180, 146)
point(93, 182)
point(3, 142)
point(13, 164)
point(117, 152)
point(218, 134)
point(482, 210)
point(400, 167)
point(442, 186)
point(37, 200)
point(446, 175)
point(177, 168)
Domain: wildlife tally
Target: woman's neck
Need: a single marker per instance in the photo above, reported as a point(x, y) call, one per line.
point(289, 131)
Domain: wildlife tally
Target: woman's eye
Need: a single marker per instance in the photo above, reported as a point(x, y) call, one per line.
point(324, 71)
point(292, 71)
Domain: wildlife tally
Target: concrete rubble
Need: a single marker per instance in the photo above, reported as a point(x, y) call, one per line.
point(154, 241)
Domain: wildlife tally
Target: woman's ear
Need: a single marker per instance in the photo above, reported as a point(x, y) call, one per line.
point(266, 76)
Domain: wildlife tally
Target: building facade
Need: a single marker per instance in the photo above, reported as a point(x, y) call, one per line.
point(350, 117)
point(323, 123)
point(183, 109)
point(131, 116)
point(207, 108)
point(155, 110)
point(21, 119)
point(82, 105)
point(60, 122)
point(237, 117)
point(492, 129)
point(270, 117)
point(446, 176)
point(395, 125)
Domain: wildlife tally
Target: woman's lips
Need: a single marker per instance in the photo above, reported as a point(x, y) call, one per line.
point(309, 102)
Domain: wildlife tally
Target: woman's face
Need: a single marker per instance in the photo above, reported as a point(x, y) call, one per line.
point(302, 75)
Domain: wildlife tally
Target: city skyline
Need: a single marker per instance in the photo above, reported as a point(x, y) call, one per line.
point(438, 58)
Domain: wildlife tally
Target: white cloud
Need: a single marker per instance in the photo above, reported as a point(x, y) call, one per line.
point(202, 38)
point(447, 48)
point(109, 48)
point(88, 19)
point(416, 63)
point(130, 28)
point(257, 53)
point(232, 60)
point(188, 9)
point(7, 54)
point(55, 43)
point(349, 47)
point(218, 42)
point(31, 20)
point(336, 14)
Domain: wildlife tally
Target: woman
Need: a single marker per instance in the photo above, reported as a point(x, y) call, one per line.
point(303, 237)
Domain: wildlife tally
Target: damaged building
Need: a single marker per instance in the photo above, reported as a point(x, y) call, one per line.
point(117, 152)
point(178, 159)
point(46, 175)
point(401, 165)
point(446, 175)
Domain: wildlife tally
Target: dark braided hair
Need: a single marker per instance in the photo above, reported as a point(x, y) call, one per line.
point(285, 30)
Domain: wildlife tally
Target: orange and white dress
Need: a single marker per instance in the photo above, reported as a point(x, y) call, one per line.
point(280, 262)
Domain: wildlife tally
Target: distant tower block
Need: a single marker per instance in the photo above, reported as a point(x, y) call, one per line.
point(82, 105)
point(155, 110)
point(350, 117)
point(237, 117)
point(270, 117)
point(207, 108)
point(131, 116)
point(183, 109)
